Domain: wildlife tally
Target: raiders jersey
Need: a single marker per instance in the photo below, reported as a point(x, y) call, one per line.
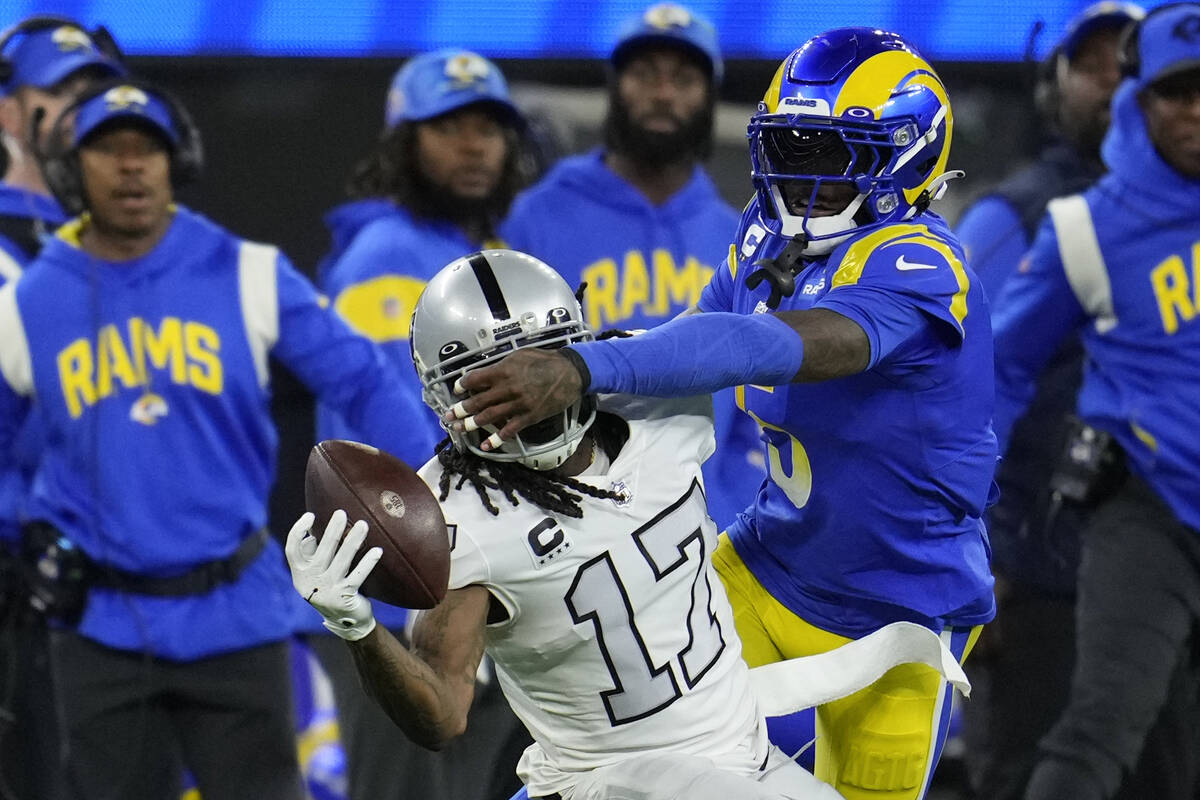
point(619, 637)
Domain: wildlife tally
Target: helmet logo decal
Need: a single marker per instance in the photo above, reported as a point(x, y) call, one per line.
point(451, 349)
point(125, 97)
point(803, 105)
point(556, 316)
point(858, 112)
point(466, 68)
point(667, 15)
point(69, 38)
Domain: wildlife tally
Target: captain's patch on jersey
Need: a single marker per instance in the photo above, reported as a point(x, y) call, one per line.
point(547, 541)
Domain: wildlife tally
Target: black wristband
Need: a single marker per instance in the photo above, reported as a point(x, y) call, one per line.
point(580, 366)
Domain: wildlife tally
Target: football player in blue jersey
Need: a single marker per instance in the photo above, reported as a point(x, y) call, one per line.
point(640, 221)
point(45, 62)
point(433, 188)
point(1120, 265)
point(860, 341)
point(140, 339)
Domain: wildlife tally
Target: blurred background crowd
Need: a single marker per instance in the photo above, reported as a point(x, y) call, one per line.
point(291, 99)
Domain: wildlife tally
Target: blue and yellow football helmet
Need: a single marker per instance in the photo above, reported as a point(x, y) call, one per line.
point(852, 134)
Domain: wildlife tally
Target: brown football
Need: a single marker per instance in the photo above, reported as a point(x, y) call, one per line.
point(402, 515)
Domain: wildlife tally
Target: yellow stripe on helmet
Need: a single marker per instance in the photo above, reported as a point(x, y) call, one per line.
point(878, 78)
point(771, 98)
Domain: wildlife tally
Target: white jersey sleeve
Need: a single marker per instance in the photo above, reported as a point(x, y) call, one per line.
point(620, 637)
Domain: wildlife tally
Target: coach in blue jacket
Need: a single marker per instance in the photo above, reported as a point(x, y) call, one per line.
point(140, 338)
point(1121, 263)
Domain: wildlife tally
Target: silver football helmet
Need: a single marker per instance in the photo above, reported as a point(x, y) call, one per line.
point(477, 310)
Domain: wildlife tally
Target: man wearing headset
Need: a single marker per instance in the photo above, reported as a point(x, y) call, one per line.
point(1120, 265)
point(44, 63)
point(140, 340)
point(1022, 667)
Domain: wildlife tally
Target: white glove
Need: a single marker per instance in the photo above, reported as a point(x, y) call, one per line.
point(321, 573)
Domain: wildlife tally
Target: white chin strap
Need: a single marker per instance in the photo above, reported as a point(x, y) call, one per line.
point(823, 233)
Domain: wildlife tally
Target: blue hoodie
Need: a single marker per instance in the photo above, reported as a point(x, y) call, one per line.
point(22, 209)
point(150, 378)
point(1142, 378)
point(643, 265)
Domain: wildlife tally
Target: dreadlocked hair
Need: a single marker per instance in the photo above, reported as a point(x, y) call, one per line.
point(558, 494)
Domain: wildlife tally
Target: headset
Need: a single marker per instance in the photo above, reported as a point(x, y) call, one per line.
point(1129, 57)
point(1050, 72)
point(60, 161)
point(100, 37)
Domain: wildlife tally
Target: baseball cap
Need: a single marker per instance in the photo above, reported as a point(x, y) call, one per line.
point(668, 23)
point(44, 56)
point(432, 84)
point(125, 102)
point(1168, 42)
point(1105, 15)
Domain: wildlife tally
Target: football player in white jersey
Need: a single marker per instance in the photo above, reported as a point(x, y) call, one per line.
point(580, 561)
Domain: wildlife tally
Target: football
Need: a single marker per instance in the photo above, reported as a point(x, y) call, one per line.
point(402, 515)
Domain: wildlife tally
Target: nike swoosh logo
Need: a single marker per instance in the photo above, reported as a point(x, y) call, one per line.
point(901, 264)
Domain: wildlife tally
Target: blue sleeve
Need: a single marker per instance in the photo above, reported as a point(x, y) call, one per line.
point(718, 295)
point(374, 295)
point(518, 230)
point(695, 354)
point(1035, 311)
point(896, 290)
point(994, 241)
point(13, 410)
point(889, 319)
point(346, 371)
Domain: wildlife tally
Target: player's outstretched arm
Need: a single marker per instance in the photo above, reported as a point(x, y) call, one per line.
point(426, 691)
point(696, 354)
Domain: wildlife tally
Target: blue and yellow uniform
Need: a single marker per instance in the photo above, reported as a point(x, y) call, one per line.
point(150, 379)
point(877, 483)
point(878, 480)
point(643, 264)
point(23, 217)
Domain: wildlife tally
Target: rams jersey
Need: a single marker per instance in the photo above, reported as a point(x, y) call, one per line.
point(150, 378)
point(619, 637)
point(877, 481)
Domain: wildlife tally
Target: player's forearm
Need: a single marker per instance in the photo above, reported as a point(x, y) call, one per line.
point(429, 707)
point(706, 352)
point(696, 354)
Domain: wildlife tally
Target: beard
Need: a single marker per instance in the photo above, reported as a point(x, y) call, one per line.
point(434, 200)
point(691, 141)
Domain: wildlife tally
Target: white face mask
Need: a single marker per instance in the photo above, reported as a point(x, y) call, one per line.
point(823, 233)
